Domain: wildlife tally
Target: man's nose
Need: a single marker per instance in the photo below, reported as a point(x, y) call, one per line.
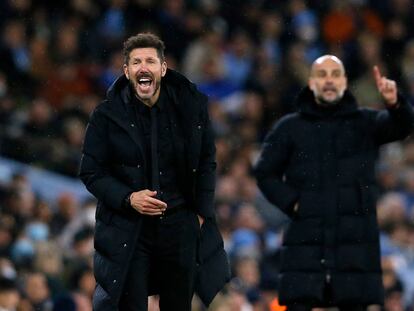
point(144, 67)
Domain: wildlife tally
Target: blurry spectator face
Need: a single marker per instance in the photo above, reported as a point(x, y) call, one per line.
point(370, 48)
point(36, 288)
point(67, 44)
point(394, 302)
point(241, 45)
point(82, 302)
point(247, 270)
point(227, 189)
point(328, 81)
point(174, 7)
point(14, 34)
point(409, 180)
point(40, 112)
point(5, 237)
point(87, 283)
point(48, 258)
point(248, 217)
point(272, 24)
point(144, 72)
point(253, 107)
point(67, 206)
point(20, 5)
point(74, 131)
point(22, 203)
point(3, 85)
point(391, 209)
point(9, 298)
point(83, 243)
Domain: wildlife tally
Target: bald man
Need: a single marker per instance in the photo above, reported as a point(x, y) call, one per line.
point(317, 166)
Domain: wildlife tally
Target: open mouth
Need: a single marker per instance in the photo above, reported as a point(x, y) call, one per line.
point(329, 89)
point(145, 82)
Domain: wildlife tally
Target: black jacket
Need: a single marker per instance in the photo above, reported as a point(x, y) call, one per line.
point(324, 159)
point(112, 166)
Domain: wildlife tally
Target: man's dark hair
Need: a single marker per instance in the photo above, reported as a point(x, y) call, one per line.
point(143, 40)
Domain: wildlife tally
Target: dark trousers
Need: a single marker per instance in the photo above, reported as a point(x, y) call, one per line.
point(165, 256)
point(329, 304)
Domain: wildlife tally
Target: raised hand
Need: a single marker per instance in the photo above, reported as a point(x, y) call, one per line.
point(386, 87)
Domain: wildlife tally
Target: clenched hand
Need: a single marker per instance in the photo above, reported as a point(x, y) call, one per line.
point(144, 202)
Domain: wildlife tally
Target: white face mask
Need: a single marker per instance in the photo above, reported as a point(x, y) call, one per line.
point(8, 271)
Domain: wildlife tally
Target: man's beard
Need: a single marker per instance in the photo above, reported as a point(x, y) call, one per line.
point(328, 103)
point(134, 86)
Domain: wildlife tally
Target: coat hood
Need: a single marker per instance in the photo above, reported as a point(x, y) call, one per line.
point(306, 104)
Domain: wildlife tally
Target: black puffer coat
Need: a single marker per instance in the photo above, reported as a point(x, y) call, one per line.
point(112, 166)
point(324, 159)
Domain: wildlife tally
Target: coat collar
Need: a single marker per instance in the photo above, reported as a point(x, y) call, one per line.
point(307, 105)
point(181, 92)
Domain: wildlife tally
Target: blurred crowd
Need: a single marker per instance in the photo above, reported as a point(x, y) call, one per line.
point(251, 57)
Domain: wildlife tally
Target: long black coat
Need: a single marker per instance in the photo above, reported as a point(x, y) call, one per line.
point(324, 159)
point(112, 166)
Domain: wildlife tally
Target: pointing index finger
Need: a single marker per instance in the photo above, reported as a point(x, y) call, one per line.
point(377, 76)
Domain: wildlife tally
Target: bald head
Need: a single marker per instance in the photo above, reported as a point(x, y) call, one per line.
point(321, 61)
point(327, 80)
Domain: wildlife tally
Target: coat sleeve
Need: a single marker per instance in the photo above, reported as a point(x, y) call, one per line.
point(94, 165)
point(205, 179)
point(394, 123)
point(270, 168)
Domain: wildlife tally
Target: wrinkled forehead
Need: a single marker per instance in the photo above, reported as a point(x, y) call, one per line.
point(327, 63)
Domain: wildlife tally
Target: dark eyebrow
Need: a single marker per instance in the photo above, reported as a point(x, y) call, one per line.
point(318, 71)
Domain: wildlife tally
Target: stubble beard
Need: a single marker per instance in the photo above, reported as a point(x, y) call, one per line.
point(134, 85)
point(327, 103)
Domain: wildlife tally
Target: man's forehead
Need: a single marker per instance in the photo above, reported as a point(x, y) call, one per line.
point(327, 62)
point(146, 52)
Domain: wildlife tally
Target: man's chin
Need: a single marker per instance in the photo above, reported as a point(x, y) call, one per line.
point(144, 95)
point(328, 101)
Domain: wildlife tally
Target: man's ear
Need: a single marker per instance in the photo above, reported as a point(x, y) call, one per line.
point(311, 83)
point(163, 69)
point(126, 72)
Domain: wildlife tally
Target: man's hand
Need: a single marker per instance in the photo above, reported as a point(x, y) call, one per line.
point(386, 87)
point(200, 220)
point(144, 202)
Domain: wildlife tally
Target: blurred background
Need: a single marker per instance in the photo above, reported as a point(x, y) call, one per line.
point(251, 57)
